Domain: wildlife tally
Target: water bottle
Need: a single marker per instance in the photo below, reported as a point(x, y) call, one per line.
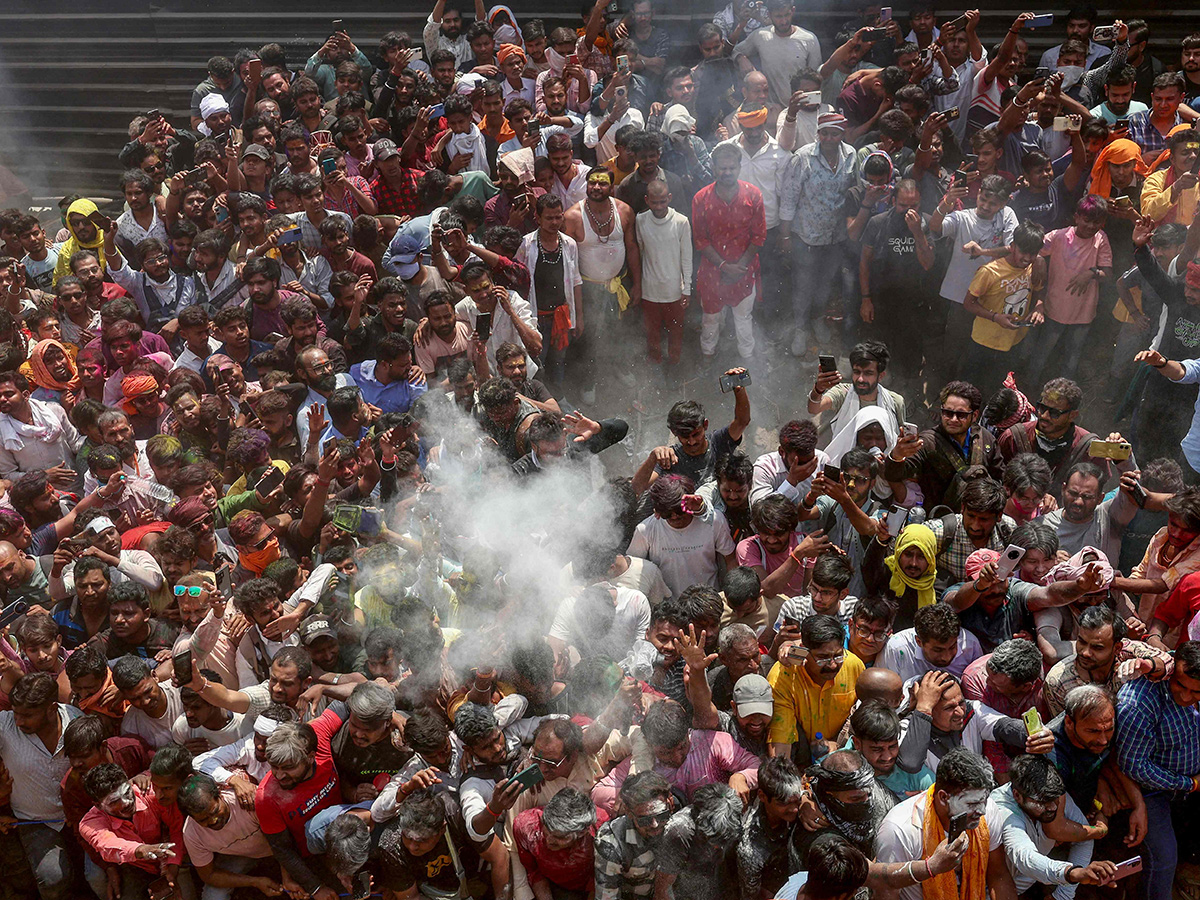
point(819, 750)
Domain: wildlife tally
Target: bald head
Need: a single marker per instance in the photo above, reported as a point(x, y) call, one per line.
point(657, 190)
point(843, 761)
point(877, 683)
point(754, 89)
point(14, 565)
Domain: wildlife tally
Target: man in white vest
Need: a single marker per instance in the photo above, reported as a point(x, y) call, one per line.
point(842, 401)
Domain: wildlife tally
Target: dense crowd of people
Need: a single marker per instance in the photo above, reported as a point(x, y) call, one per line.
point(315, 583)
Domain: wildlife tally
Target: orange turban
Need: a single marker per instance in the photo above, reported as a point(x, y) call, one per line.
point(137, 384)
point(754, 118)
point(1166, 154)
point(1118, 152)
point(507, 50)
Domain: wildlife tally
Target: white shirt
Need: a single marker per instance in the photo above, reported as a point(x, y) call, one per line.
point(606, 146)
point(314, 275)
point(129, 229)
point(966, 72)
point(765, 171)
point(779, 57)
point(1027, 847)
point(171, 295)
point(238, 754)
point(504, 330)
point(904, 656)
point(770, 477)
point(528, 256)
point(963, 226)
point(900, 837)
point(666, 246)
point(572, 193)
point(629, 625)
point(234, 729)
point(688, 555)
point(155, 732)
point(189, 360)
point(21, 453)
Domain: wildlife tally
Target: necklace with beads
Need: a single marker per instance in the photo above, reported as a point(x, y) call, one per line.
point(603, 229)
point(551, 257)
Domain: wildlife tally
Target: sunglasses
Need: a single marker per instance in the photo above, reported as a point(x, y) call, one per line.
point(191, 591)
point(258, 545)
point(551, 763)
point(1044, 410)
point(652, 819)
point(202, 524)
point(957, 414)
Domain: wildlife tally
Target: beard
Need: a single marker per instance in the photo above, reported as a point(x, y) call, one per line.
point(326, 384)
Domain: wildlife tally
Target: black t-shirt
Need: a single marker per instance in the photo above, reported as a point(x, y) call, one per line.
point(361, 765)
point(702, 468)
point(548, 282)
point(895, 269)
point(161, 637)
point(396, 869)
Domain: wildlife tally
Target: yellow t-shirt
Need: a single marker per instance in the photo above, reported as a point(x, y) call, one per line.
point(1001, 288)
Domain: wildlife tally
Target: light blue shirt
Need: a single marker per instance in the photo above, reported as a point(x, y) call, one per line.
point(343, 380)
point(1191, 443)
point(397, 396)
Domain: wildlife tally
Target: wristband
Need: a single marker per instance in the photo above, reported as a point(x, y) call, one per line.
point(921, 149)
point(1163, 366)
point(492, 812)
point(1017, 102)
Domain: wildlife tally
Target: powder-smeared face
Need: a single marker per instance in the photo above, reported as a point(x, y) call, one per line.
point(966, 808)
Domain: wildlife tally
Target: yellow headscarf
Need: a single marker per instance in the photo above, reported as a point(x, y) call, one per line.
point(923, 538)
point(73, 244)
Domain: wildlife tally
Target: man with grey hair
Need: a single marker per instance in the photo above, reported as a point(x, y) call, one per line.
point(752, 701)
point(1008, 680)
point(1104, 655)
point(1083, 739)
point(369, 747)
point(303, 781)
point(692, 854)
point(556, 844)
point(1027, 803)
point(738, 654)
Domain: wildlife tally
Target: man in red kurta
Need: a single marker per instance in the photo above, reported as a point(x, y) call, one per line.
point(729, 225)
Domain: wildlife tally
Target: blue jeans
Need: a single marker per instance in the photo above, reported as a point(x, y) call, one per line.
point(552, 362)
point(816, 273)
point(1062, 343)
point(46, 850)
point(1160, 850)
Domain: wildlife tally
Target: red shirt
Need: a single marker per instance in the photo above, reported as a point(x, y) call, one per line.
point(572, 869)
point(730, 229)
point(398, 201)
point(279, 810)
point(1181, 604)
point(358, 264)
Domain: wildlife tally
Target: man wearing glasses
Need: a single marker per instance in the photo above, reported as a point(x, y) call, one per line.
point(813, 687)
point(1056, 438)
point(936, 457)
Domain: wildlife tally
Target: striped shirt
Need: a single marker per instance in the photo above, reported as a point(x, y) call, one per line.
point(37, 773)
point(625, 861)
point(1158, 741)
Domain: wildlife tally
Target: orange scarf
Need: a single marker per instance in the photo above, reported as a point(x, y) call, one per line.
point(114, 710)
point(974, 862)
point(42, 375)
point(1118, 152)
point(1166, 153)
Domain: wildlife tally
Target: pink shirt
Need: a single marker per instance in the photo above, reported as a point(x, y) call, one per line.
point(115, 840)
point(1069, 256)
point(712, 758)
point(751, 552)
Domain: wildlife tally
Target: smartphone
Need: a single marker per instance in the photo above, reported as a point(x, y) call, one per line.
point(154, 114)
point(347, 517)
point(810, 98)
point(1033, 721)
point(573, 59)
point(909, 428)
point(1139, 495)
point(1062, 123)
point(729, 382)
point(1129, 867)
point(958, 824)
point(1009, 560)
point(827, 363)
point(222, 214)
point(797, 653)
point(328, 166)
point(337, 26)
point(271, 479)
point(289, 236)
point(791, 622)
point(1042, 73)
point(483, 326)
point(1122, 122)
point(885, 14)
point(960, 22)
point(534, 129)
point(100, 220)
point(875, 34)
point(225, 581)
point(530, 777)
point(437, 112)
point(1040, 21)
point(620, 92)
point(254, 68)
point(1115, 450)
point(951, 114)
point(1122, 202)
point(235, 136)
point(183, 666)
point(12, 612)
point(1104, 33)
point(362, 885)
point(897, 517)
point(970, 159)
point(833, 473)
point(160, 889)
point(622, 63)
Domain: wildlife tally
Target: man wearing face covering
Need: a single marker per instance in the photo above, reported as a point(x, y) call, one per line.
point(84, 236)
point(851, 800)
